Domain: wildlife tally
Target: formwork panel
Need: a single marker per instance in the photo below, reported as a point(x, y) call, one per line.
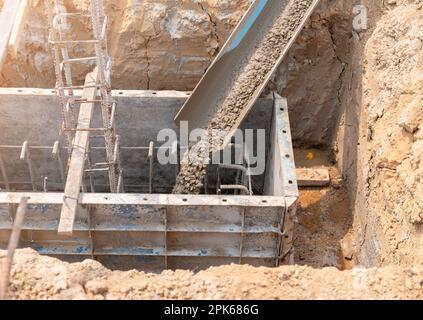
point(259, 219)
point(150, 232)
point(50, 242)
point(260, 245)
point(5, 217)
point(203, 244)
point(4, 238)
point(197, 219)
point(46, 217)
point(134, 126)
point(127, 217)
point(129, 243)
point(125, 263)
point(120, 226)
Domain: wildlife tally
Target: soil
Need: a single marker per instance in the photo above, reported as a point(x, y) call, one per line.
point(379, 145)
point(324, 230)
point(193, 168)
point(38, 277)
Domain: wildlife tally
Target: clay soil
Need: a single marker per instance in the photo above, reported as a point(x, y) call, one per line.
point(324, 232)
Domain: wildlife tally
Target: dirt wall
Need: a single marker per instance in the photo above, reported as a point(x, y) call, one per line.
point(156, 45)
point(380, 139)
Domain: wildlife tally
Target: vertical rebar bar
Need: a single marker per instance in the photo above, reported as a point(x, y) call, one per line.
point(45, 181)
point(151, 162)
point(26, 156)
point(13, 244)
point(59, 79)
point(97, 13)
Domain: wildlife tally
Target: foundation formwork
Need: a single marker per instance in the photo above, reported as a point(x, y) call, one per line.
point(145, 228)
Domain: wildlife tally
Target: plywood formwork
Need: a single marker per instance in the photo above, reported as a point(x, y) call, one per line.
point(151, 231)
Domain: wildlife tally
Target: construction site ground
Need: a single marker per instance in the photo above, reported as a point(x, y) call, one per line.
point(356, 107)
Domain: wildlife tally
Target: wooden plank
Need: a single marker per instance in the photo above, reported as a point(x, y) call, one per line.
point(7, 19)
point(18, 29)
point(313, 177)
point(77, 162)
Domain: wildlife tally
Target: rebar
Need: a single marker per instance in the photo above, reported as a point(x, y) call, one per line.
point(58, 22)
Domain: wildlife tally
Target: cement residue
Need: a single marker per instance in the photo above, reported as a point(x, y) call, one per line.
point(191, 175)
point(38, 277)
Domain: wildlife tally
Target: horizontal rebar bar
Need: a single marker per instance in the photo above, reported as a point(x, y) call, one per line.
point(83, 59)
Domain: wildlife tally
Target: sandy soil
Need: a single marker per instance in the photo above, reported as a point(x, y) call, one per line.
point(37, 277)
point(380, 141)
point(393, 102)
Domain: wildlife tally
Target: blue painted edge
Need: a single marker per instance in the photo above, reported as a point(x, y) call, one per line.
point(248, 25)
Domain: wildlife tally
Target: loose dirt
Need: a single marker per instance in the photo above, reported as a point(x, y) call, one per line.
point(38, 277)
point(380, 145)
point(193, 168)
point(324, 229)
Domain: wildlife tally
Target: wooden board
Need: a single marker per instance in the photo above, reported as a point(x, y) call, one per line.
point(311, 177)
point(77, 162)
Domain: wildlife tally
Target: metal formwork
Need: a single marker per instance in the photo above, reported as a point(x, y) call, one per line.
point(155, 231)
point(152, 230)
